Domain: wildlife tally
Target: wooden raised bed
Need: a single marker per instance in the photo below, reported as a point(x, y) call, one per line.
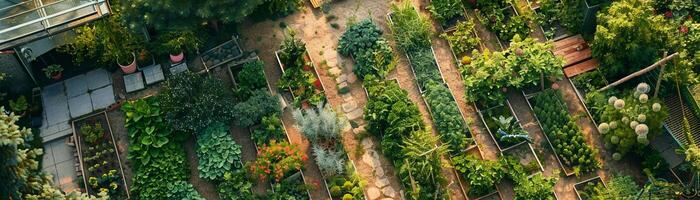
point(509, 11)
point(452, 23)
point(315, 72)
point(495, 195)
point(109, 152)
point(559, 31)
point(325, 182)
point(233, 70)
point(221, 54)
point(457, 57)
point(580, 186)
point(567, 171)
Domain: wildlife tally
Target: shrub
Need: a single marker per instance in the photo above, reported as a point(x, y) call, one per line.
point(251, 111)
point(252, 77)
point(321, 124)
point(191, 102)
point(217, 153)
point(182, 190)
point(359, 37)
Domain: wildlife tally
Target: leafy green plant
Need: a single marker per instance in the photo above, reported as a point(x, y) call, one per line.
point(563, 132)
point(92, 133)
point(251, 78)
point(299, 77)
point(510, 126)
point(52, 70)
point(147, 129)
point(445, 10)
point(177, 41)
point(235, 186)
point(462, 40)
point(482, 175)
point(499, 17)
point(106, 41)
point(252, 110)
point(535, 187)
point(191, 102)
point(182, 190)
point(448, 120)
point(20, 105)
point(151, 179)
point(379, 61)
point(359, 37)
point(217, 153)
point(411, 30)
point(626, 46)
point(421, 172)
point(270, 129)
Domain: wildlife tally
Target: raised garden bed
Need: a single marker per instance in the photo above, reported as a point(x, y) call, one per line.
point(584, 188)
point(236, 68)
point(495, 194)
point(309, 95)
point(560, 107)
point(356, 183)
point(458, 57)
point(584, 83)
point(489, 117)
point(551, 28)
point(100, 163)
point(221, 54)
point(450, 24)
point(508, 13)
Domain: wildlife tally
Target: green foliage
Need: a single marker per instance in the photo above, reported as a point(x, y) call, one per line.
point(279, 8)
point(20, 105)
point(92, 133)
point(629, 36)
point(525, 62)
point(565, 13)
point(482, 175)
point(445, 10)
point(425, 67)
point(538, 187)
point(191, 102)
point(509, 125)
point(391, 115)
point(251, 78)
point(379, 61)
point(619, 187)
point(499, 17)
point(292, 50)
point(421, 171)
point(448, 120)
point(252, 110)
point(147, 128)
point(359, 37)
point(270, 129)
point(299, 77)
point(182, 190)
point(176, 41)
point(563, 132)
point(235, 186)
point(463, 39)
point(276, 161)
point(166, 14)
point(217, 153)
point(692, 156)
point(411, 30)
point(684, 69)
point(347, 186)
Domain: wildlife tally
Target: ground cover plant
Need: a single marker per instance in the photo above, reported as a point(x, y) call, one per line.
point(192, 101)
point(627, 124)
point(156, 153)
point(217, 153)
point(364, 42)
point(498, 17)
point(525, 63)
point(182, 190)
point(397, 121)
point(563, 132)
point(299, 76)
point(235, 186)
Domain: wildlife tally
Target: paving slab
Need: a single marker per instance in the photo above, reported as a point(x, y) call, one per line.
point(76, 86)
point(47, 157)
point(153, 74)
point(98, 78)
point(133, 82)
point(61, 151)
point(80, 105)
point(66, 172)
point(52, 90)
point(51, 169)
point(178, 68)
point(56, 109)
point(103, 97)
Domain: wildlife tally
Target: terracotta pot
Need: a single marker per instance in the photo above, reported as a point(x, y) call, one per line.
point(56, 75)
point(130, 68)
point(177, 58)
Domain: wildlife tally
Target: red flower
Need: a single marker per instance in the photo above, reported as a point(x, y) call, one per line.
point(668, 14)
point(683, 29)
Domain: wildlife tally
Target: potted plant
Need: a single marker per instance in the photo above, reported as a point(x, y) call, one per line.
point(19, 106)
point(144, 58)
point(127, 62)
point(175, 43)
point(54, 72)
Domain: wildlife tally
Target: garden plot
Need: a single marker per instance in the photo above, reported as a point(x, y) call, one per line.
point(99, 159)
point(304, 84)
point(221, 54)
point(447, 14)
point(585, 83)
point(462, 39)
point(562, 133)
point(501, 18)
point(493, 194)
point(546, 15)
point(587, 187)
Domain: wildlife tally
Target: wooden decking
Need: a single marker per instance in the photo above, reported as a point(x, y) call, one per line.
point(577, 55)
point(316, 3)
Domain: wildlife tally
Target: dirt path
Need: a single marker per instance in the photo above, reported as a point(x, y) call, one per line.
point(204, 187)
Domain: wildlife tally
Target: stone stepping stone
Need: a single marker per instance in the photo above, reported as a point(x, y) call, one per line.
point(97, 79)
point(102, 98)
point(133, 82)
point(178, 68)
point(76, 86)
point(80, 105)
point(153, 74)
